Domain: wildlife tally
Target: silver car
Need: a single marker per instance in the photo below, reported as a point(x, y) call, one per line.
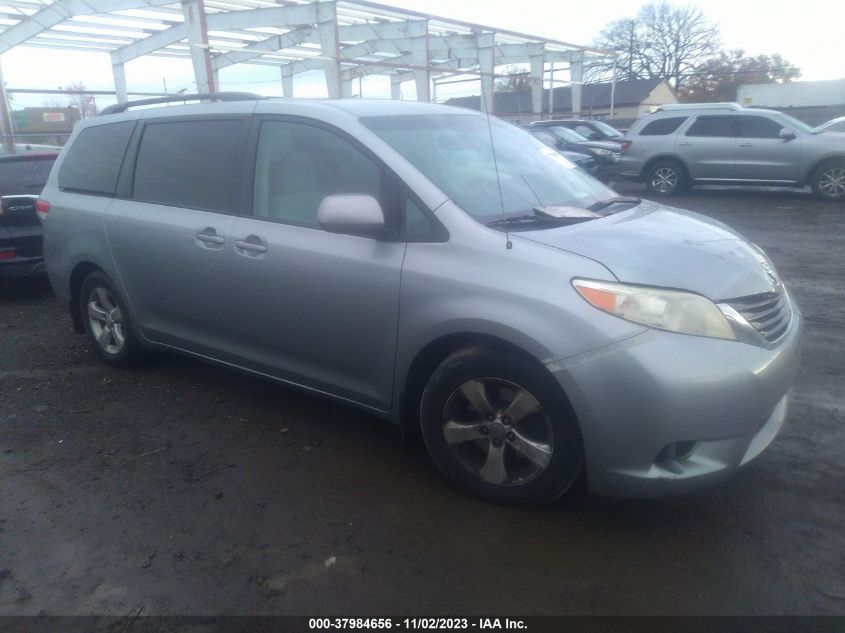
point(723, 143)
point(440, 269)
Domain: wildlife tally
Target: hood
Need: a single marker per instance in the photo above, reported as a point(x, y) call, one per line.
point(659, 246)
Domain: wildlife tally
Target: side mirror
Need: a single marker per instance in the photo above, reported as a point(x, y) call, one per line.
point(786, 135)
point(353, 214)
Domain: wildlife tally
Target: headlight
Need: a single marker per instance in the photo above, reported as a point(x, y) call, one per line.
point(670, 310)
point(600, 152)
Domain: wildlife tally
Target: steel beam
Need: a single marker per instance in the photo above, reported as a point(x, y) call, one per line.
point(330, 47)
point(61, 10)
point(195, 23)
point(287, 84)
point(536, 73)
point(486, 43)
point(119, 74)
point(269, 45)
point(422, 75)
point(576, 78)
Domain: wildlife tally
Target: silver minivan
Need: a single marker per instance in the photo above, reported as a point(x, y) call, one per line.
point(438, 268)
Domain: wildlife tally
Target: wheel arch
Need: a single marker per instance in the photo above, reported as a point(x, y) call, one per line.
point(430, 355)
point(80, 271)
point(821, 162)
point(664, 157)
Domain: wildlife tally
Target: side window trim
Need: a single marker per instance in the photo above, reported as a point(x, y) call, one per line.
point(397, 189)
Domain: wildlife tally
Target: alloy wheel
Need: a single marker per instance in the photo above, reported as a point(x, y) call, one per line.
point(106, 320)
point(664, 180)
point(832, 182)
point(498, 431)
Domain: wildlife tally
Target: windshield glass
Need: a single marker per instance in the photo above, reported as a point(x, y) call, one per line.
point(609, 132)
point(566, 134)
point(799, 125)
point(24, 174)
point(454, 151)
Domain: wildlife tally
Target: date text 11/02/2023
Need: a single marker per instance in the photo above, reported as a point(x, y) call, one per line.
point(429, 624)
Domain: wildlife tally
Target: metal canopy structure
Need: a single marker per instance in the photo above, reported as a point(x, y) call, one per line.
point(345, 39)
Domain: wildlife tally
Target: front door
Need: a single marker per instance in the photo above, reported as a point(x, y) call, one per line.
point(708, 147)
point(315, 308)
point(761, 154)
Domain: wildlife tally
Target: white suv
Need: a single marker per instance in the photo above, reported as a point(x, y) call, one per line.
point(723, 143)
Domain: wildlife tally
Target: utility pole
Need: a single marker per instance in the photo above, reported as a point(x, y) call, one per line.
point(5, 117)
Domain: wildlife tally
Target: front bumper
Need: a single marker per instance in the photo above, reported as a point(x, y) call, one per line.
point(663, 413)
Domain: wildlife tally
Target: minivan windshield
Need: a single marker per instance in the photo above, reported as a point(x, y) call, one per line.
point(456, 152)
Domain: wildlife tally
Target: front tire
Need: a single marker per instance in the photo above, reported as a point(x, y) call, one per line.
point(107, 321)
point(828, 181)
point(666, 178)
point(499, 427)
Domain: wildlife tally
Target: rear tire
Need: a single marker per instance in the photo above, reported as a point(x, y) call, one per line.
point(107, 321)
point(499, 427)
point(828, 181)
point(666, 178)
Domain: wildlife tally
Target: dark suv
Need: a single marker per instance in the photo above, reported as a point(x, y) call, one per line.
point(22, 176)
point(590, 130)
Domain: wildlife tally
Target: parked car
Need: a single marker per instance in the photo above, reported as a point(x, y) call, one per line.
point(606, 154)
point(22, 176)
point(590, 130)
point(687, 144)
point(434, 266)
point(833, 126)
point(583, 160)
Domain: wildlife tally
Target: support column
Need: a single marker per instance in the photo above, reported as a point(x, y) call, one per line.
point(395, 88)
point(329, 47)
point(536, 74)
point(420, 57)
point(5, 117)
point(287, 84)
point(576, 78)
point(345, 88)
point(118, 71)
point(194, 14)
point(486, 43)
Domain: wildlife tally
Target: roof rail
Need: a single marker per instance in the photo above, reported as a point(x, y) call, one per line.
point(669, 107)
point(208, 96)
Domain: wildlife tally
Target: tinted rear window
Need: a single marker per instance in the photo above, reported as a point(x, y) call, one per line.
point(94, 160)
point(721, 126)
point(662, 127)
point(191, 164)
point(25, 175)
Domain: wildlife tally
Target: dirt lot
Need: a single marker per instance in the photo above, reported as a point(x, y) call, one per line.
point(181, 488)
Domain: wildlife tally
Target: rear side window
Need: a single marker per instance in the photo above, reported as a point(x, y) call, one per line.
point(721, 126)
point(23, 175)
point(661, 127)
point(758, 127)
point(93, 162)
point(191, 164)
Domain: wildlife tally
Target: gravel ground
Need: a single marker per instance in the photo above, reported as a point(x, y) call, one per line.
point(181, 488)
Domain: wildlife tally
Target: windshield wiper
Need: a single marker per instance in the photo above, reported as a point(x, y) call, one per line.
point(603, 204)
point(550, 215)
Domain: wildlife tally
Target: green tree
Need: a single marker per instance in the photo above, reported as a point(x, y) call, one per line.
point(517, 80)
point(661, 41)
point(717, 79)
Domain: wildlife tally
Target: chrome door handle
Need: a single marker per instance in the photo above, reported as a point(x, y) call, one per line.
point(250, 245)
point(684, 144)
point(746, 144)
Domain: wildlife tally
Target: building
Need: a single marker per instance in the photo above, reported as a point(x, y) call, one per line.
point(630, 100)
point(811, 101)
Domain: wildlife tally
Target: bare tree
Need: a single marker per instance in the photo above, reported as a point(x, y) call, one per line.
point(82, 100)
point(661, 41)
point(517, 80)
point(717, 79)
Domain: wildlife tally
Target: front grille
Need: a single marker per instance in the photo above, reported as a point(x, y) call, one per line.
point(768, 313)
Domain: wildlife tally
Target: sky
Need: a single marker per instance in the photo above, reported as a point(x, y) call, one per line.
point(807, 34)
